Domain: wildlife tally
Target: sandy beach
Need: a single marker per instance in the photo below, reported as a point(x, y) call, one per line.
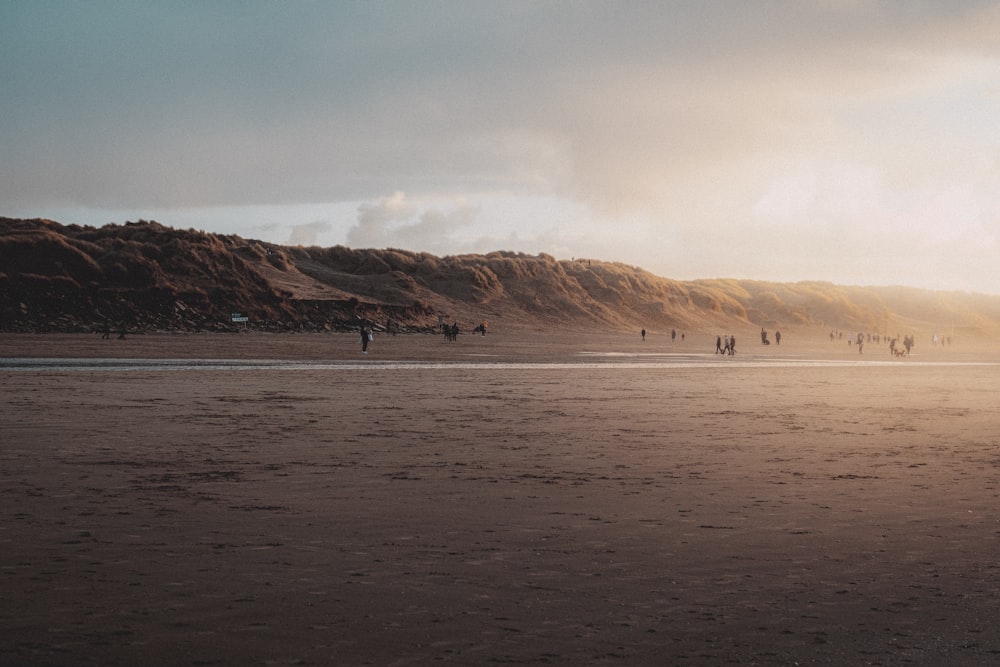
point(526, 499)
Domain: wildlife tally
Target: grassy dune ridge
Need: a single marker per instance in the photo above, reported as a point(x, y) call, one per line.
point(149, 277)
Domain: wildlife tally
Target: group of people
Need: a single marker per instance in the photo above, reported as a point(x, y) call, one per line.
point(450, 331)
point(725, 345)
point(905, 351)
point(899, 346)
point(106, 331)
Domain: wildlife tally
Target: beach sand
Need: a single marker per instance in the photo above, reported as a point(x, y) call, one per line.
point(503, 499)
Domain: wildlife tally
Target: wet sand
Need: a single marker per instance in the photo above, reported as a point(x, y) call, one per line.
point(528, 500)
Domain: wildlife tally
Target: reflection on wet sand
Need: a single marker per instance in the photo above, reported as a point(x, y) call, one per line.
point(586, 361)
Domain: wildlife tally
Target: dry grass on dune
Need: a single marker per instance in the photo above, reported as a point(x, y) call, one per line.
point(71, 278)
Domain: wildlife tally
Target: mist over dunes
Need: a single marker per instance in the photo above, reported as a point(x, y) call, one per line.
point(56, 277)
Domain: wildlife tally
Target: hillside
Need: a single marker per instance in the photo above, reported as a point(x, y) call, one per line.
point(150, 277)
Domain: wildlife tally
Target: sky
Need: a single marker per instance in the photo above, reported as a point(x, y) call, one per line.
point(847, 141)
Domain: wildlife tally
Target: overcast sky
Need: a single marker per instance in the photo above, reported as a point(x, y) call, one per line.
point(849, 141)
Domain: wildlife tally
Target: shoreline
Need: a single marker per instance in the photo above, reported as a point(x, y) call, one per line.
point(514, 345)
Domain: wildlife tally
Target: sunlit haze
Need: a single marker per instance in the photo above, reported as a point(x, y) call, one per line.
point(852, 142)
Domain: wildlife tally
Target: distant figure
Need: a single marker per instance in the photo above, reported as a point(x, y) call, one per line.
point(451, 331)
point(718, 345)
point(643, 334)
point(682, 336)
point(366, 337)
point(861, 342)
point(673, 335)
point(106, 331)
point(777, 338)
point(121, 332)
point(732, 345)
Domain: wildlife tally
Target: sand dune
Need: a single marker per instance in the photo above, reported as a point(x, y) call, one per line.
point(151, 278)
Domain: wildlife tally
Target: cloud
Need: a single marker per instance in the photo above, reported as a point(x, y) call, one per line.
point(618, 108)
point(307, 233)
point(394, 221)
point(375, 221)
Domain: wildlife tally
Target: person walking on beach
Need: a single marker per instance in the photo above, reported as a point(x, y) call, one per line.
point(644, 334)
point(718, 345)
point(777, 338)
point(732, 345)
point(366, 338)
